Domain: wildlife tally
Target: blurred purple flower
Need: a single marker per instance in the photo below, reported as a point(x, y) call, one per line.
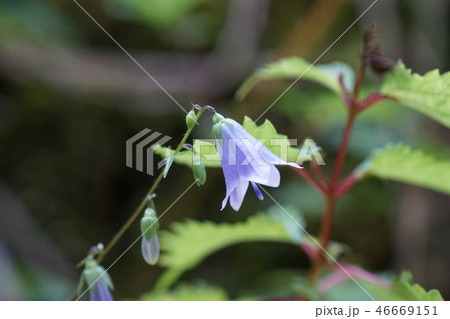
point(244, 160)
point(98, 281)
point(100, 291)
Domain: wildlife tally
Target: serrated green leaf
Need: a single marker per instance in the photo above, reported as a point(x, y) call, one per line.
point(185, 292)
point(294, 67)
point(277, 143)
point(429, 94)
point(206, 149)
point(189, 243)
point(402, 163)
point(405, 289)
point(335, 69)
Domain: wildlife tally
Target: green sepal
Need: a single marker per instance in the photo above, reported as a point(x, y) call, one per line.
point(191, 119)
point(217, 131)
point(93, 271)
point(149, 223)
point(198, 169)
point(217, 118)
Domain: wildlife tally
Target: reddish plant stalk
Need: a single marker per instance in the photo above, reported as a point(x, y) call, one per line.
point(331, 192)
point(343, 149)
point(331, 196)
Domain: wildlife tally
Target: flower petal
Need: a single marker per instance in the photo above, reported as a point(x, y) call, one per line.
point(274, 177)
point(235, 153)
point(230, 173)
point(101, 292)
point(245, 159)
point(238, 194)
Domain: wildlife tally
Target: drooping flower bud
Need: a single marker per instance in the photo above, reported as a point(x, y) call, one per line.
point(150, 241)
point(150, 249)
point(198, 169)
point(98, 281)
point(191, 119)
point(149, 223)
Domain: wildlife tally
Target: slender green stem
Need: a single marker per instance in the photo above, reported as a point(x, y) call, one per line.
point(130, 220)
point(144, 201)
point(141, 206)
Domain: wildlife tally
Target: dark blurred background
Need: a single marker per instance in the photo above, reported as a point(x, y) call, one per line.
point(70, 98)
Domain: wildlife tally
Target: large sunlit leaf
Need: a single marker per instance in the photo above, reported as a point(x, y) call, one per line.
point(429, 94)
point(188, 243)
point(295, 67)
point(279, 144)
point(404, 164)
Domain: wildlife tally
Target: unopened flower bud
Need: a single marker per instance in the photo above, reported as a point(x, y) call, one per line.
point(98, 281)
point(149, 223)
point(191, 119)
point(150, 249)
point(217, 118)
point(198, 169)
point(373, 55)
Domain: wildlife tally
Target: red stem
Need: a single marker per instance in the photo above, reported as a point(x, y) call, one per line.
point(343, 148)
point(325, 235)
point(330, 193)
point(346, 184)
point(330, 196)
point(335, 189)
point(359, 79)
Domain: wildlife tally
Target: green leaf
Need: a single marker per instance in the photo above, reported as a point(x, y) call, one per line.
point(403, 289)
point(189, 243)
point(277, 143)
point(185, 292)
point(169, 162)
point(294, 67)
point(408, 291)
point(429, 94)
point(402, 163)
point(266, 133)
